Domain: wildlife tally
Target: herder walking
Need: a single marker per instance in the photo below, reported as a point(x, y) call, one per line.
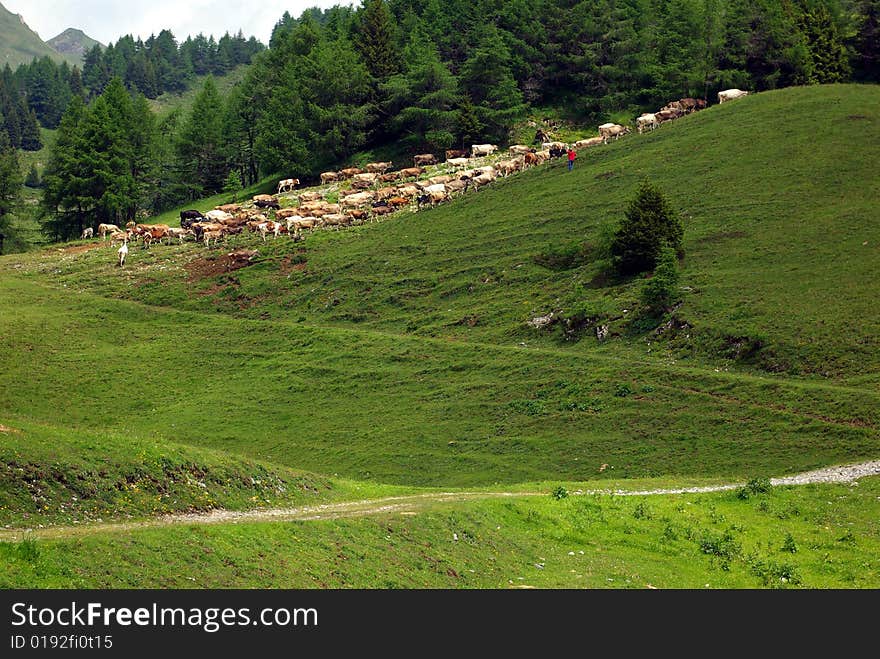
point(571, 158)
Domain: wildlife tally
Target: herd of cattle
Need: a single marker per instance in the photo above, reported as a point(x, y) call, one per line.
point(376, 190)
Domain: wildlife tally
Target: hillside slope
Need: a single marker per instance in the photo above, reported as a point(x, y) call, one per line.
point(397, 352)
point(19, 44)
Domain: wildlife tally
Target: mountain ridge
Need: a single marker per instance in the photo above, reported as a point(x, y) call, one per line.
point(73, 43)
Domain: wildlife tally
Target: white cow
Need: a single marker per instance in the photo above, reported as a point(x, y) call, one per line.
point(646, 122)
point(483, 150)
point(607, 131)
point(730, 95)
point(287, 185)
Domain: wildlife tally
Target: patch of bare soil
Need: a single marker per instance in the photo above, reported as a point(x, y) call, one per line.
point(7, 429)
point(79, 249)
point(211, 266)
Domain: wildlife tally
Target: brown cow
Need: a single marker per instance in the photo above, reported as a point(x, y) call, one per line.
point(424, 160)
point(351, 172)
point(456, 153)
point(411, 172)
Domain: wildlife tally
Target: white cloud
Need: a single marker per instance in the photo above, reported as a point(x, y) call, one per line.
point(107, 20)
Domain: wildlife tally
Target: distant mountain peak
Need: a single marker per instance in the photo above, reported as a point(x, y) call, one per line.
point(73, 42)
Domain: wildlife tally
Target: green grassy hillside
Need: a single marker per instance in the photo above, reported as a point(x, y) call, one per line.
point(397, 354)
point(19, 44)
point(823, 536)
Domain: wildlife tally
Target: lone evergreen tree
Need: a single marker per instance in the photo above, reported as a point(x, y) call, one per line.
point(32, 180)
point(650, 225)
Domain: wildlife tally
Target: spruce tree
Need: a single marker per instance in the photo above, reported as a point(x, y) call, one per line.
point(650, 225)
point(424, 98)
point(660, 292)
point(10, 181)
point(32, 180)
point(376, 40)
point(489, 83)
point(201, 143)
point(866, 44)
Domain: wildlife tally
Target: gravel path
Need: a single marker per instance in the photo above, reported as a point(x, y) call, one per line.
point(403, 505)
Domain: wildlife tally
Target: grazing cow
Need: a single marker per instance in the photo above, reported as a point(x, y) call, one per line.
point(481, 180)
point(119, 237)
point(357, 215)
point(452, 154)
point(731, 95)
point(479, 150)
point(229, 208)
point(391, 177)
point(188, 218)
point(646, 121)
point(435, 180)
point(607, 131)
point(364, 180)
point(693, 104)
point(588, 143)
point(284, 213)
point(123, 252)
point(677, 107)
point(665, 115)
point(336, 220)
point(457, 162)
point(287, 185)
point(383, 210)
point(530, 159)
point(180, 234)
point(307, 197)
point(266, 201)
point(549, 146)
point(410, 191)
point(329, 177)
point(379, 167)
point(351, 172)
point(424, 160)
point(88, 232)
point(218, 216)
point(356, 200)
point(215, 235)
point(398, 202)
point(557, 152)
point(520, 149)
point(105, 229)
point(456, 186)
point(411, 172)
point(508, 167)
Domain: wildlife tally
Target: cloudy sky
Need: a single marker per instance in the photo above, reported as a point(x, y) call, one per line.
point(107, 20)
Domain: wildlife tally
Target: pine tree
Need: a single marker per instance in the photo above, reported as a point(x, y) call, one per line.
point(650, 225)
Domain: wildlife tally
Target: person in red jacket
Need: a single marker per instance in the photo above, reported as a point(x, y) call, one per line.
point(571, 158)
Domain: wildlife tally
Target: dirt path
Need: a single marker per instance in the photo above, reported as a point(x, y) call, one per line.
point(402, 505)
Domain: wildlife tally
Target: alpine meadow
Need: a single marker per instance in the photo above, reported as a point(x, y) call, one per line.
point(423, 295)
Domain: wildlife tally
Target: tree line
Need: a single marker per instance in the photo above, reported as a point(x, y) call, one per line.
point(425, 75)
point(37, 94)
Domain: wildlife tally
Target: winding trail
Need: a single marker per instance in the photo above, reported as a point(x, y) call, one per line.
point(403, 505)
